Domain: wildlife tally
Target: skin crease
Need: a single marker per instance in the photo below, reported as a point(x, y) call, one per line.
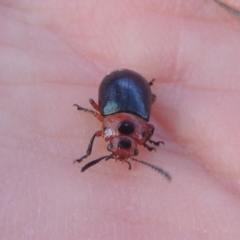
point(54, 54)
point(235, 4)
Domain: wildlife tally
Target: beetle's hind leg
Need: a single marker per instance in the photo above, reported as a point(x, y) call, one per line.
point(156, 143)
point(90, 145)
point(148, 147)
point(153, 95)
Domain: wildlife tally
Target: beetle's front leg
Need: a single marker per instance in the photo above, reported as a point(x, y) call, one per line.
point(90, 145)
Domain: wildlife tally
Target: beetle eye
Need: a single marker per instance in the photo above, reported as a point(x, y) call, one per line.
point(126, 127)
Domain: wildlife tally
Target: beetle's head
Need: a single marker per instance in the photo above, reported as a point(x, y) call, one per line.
point(123, 147)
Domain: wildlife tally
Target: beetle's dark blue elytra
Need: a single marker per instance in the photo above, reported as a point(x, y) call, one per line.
point(125, 91)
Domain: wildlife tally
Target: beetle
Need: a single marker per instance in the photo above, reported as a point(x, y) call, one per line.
point(124, 108)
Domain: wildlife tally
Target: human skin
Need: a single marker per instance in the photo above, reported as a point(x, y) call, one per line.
point(54, 54)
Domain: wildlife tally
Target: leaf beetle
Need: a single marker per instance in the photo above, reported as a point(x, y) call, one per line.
point(124, 108)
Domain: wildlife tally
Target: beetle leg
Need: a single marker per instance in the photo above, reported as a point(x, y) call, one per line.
point(155, 143)
point(94, 104)
point(90, 164)
point(90, 145)
point(97, 115)
point(153, 95)
point(151, 82)
point(129, 165)
point(148, 147)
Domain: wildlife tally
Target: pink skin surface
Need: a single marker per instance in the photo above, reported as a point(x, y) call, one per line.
point(54, 54)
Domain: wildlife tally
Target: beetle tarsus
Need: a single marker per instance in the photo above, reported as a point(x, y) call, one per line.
point(129, 165)
point(148, 147)
point(80, 159)
point(83, 109)
point(156, 143)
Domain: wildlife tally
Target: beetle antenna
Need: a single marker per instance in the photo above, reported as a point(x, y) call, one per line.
point(158, 169)
point(90, 164)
